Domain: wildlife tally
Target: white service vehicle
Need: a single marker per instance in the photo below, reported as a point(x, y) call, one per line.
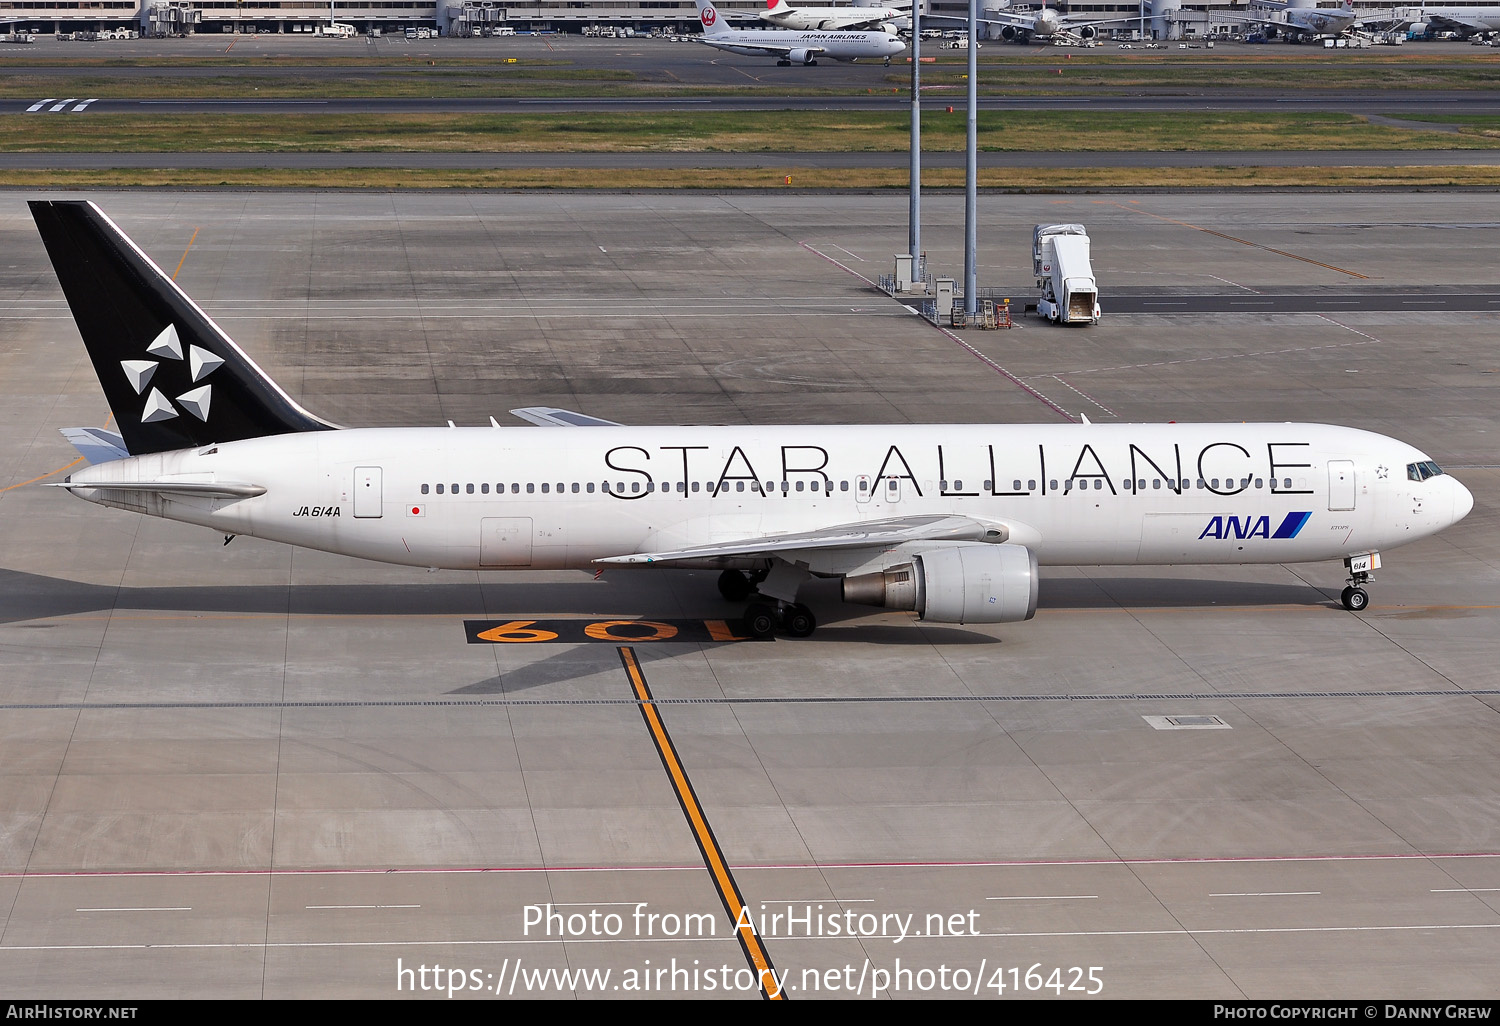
point(1060, 261)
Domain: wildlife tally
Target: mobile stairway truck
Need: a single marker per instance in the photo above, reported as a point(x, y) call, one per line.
point(1060, 260)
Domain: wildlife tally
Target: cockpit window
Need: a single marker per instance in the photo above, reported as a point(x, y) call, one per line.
point(1422, 471)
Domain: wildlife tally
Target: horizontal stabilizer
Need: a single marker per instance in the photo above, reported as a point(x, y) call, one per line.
point(96, 445)
point(872, 534)
point(551, 416)
point(207, 489)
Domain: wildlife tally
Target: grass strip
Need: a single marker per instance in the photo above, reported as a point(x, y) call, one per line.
point(1043, 180)
point(732, 132)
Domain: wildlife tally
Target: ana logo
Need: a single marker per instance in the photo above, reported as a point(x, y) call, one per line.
point(709, 16)
point(1237, 528)
point(200, 364)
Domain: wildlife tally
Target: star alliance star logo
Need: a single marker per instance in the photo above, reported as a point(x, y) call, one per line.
point(167, 346)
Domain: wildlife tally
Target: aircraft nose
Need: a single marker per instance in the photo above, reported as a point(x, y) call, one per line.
point(1463, 501)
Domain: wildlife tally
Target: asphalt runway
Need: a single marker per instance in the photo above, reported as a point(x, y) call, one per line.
point(1041, 77)
point(248, 771)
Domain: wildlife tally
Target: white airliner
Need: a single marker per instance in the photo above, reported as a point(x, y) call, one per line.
point(951, 520)
point(1045, 24)
point(881, 19)
point(1302, 19)
point(1466, 21)
point(796, 47)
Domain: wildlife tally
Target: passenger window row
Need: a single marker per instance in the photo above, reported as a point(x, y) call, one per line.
point(770, 487)
point(633, 487)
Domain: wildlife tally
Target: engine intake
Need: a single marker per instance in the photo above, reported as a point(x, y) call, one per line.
point(958, 584)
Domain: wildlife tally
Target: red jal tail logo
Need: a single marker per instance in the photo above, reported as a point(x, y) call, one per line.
point(709, 16)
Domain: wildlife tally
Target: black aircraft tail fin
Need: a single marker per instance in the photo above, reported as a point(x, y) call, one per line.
point(172, 377)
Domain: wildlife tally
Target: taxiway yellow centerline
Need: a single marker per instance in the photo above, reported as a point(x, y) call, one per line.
point(718, 867)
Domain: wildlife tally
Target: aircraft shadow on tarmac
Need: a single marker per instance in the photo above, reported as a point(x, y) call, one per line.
point(25, 596)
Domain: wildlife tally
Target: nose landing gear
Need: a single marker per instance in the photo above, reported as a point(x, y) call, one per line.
point(1354, 597)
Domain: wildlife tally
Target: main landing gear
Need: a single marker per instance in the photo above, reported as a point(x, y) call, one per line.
point(766, 616)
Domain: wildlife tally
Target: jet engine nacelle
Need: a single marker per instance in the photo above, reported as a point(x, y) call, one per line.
point(960, 584)
point(1087, 32)
point(802, 56)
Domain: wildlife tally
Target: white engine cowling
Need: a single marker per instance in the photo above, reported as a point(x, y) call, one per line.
point(957, 584)
point(801, 56)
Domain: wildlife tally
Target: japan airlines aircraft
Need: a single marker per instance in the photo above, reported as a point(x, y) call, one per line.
point(880, 19)
point(795, 47)
point(951, 521)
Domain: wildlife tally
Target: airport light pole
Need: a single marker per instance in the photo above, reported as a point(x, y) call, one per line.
point(971, 191)
point(914, 234)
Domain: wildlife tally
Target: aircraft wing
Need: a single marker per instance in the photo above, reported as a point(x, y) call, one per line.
point(1452, 20)
point(1026, 21)
point(868, 535)
point(551, 416)
point(736, 14)
point(855, 23)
